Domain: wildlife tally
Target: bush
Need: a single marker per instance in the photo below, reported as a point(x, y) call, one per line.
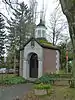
point(72, 84)
point(13, 80)
point(50, 78)
point(42, 86)
point(46, 79)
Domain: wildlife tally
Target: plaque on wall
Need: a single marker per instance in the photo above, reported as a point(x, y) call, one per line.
point(32, 43)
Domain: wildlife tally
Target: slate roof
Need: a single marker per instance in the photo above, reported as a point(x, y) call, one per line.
point(44, 44)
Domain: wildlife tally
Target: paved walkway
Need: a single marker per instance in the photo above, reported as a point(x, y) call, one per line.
point(9, 93)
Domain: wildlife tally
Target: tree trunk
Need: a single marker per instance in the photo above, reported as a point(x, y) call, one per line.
point(14, 63)
point(72, 35)
point(73, 67)
point(53, 37)
point(68, 8)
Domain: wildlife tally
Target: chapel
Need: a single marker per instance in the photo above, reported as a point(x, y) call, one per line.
point(38, 56)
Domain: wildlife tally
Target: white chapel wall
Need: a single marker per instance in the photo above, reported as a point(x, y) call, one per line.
point(57, 60)
point(27, 50)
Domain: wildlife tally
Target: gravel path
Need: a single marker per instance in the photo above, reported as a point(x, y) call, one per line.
point(9, 93)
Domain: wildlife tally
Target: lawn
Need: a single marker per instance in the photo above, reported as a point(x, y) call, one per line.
point(58, 93)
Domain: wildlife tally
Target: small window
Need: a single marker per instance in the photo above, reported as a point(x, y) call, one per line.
point(43, 33)
point(39, 33)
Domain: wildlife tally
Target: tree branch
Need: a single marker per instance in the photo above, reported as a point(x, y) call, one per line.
point(9, 3)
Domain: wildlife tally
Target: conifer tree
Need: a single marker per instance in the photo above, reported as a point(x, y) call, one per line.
point(21, 25)
point(2, 37)
point(20, 30)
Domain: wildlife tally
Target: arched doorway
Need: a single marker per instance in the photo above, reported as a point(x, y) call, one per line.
point(33, 66)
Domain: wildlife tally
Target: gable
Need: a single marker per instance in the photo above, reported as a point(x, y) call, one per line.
point(36, 49)
point(43, 44)
point(32, 46)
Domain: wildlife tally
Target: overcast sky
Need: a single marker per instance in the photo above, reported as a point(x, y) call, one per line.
point(49, 6)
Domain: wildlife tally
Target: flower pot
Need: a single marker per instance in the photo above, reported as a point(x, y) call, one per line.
point(40, 92)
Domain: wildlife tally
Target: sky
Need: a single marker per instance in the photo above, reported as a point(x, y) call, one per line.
point(49, 5)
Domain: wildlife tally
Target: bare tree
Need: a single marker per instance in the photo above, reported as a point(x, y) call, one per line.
point(33, 8)
point(57, 25)
point(10, 5)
